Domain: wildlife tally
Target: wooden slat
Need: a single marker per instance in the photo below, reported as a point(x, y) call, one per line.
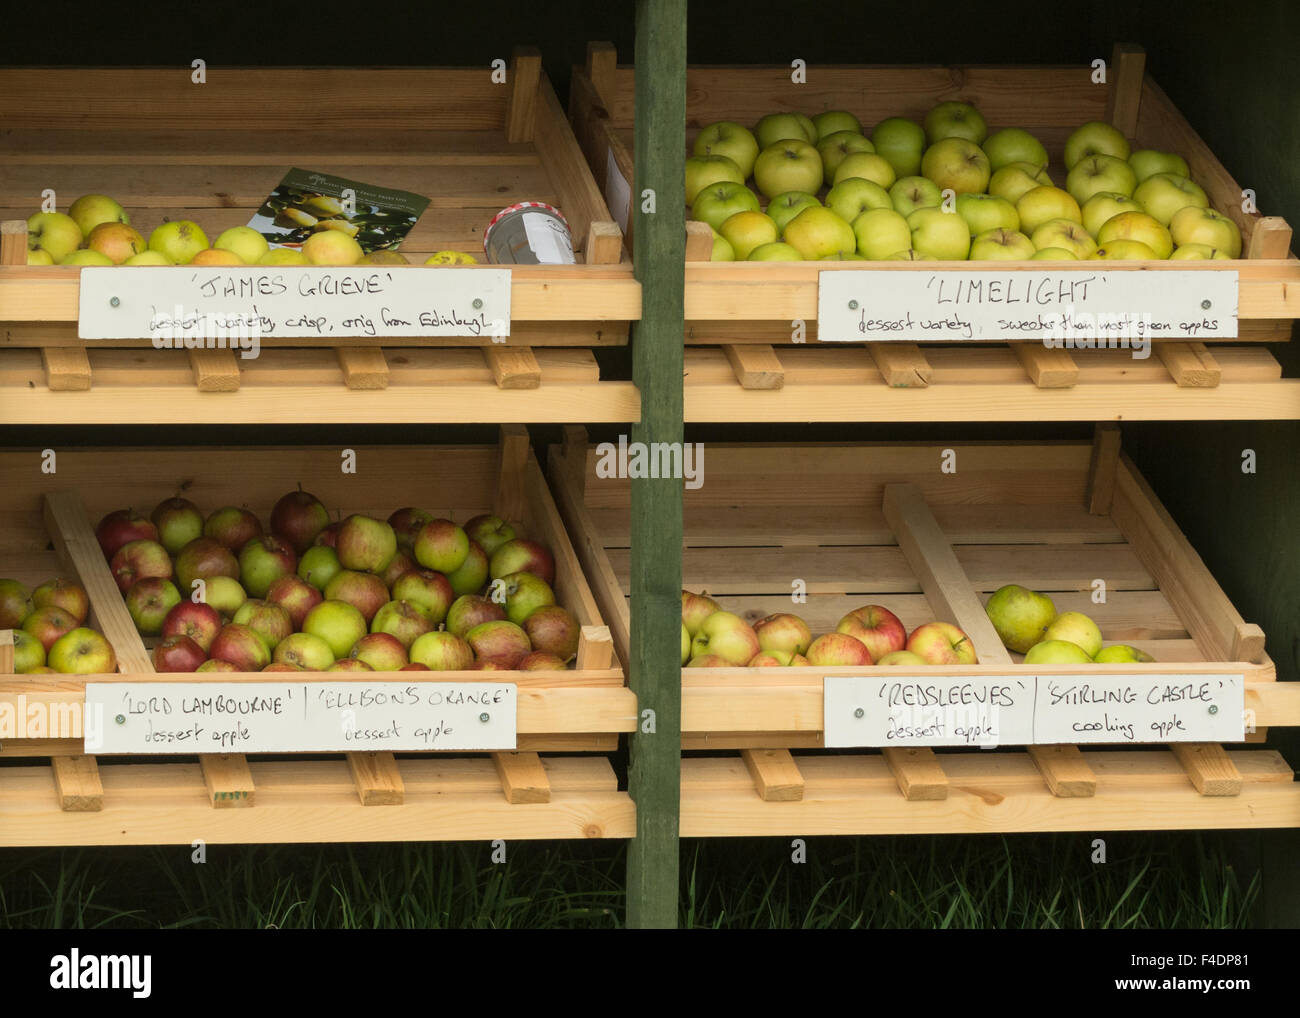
point(521, 106)
point(513, 451)
point(215, 370)
point(229, 781)
point(1209, 767)
point(1190, 364)
point(363, 367)
point(67, 369)
point(919, 773)
point(1247, 642)
point(523, 778)
point(699, 241)
point(595, 648)
point(76, 780)
point(602, 62)
point(1065, 770)
point(1271, 238)
point(1125, 74)
point(1101, 471)
point(604, 244)
point(1047, 369)
point(378, 779)
point(901, 365)
point(776, 774)
point(13, 242)
point(6, 652)
point(566, 168)
point(756, 367)
point(513, 367)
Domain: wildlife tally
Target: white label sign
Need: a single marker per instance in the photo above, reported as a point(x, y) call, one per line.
point(281, 717)
point(924, 711)
point(618, 192)
point(1072, 309)
point(187, 306)
point(1140, 708)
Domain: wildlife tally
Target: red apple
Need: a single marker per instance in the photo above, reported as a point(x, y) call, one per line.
point(242, 647)
point(269, 621)
point(552, 630)
point(878, 628)
point(491, 665)
point(365, 544)
point(349, 664)
point(441, 545)
point(337, 623)
point(441, 651)
point(396, 569)
point(15, 604)
point(414, 666)
point(294, 595)
point(522, 556)
point(709, 661)
point(328, 537)
point(838, 649)
point(406, 524)
point(283, 666)
point(48, 624)
point(524, 594)
point(297, 518)
point(489, 532)
point(540, 661)
point(695, 609)
point(381, 651)
point(770, 659)
point(178, 521)
point(122, 526)
point(232, 527)
point(428, 589)
point(149, 601)
point(65, 594)
point(136, 560)
point(262, 561)
point(503, 642)
point(401, 619)
point(941, 643)
point(82, 652)
point(364, 591)
point(304, 650)
point(202, 560)
point(472, 574)
point(177, 654)
point(784, 632)
point(213, 665)
point(469, 611)
point(200, 622)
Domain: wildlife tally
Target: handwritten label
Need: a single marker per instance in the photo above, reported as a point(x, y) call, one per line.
point(1071, 309)
point(1140, 708)
point(924, 711)
point(278, 717)
point(179, 306)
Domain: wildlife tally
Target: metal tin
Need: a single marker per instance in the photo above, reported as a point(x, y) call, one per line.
point(528, 233)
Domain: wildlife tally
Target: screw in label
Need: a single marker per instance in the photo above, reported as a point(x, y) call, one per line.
point(859, 712)
point(478, 303)
point(485, 717)
point(1214, 709)
point(120, 719)
point(113, 302)
point(853, 305)
point(1205, 304)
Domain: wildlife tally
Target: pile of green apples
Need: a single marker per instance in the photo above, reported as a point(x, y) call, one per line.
point(870, 635)
point(1027, 622)
point(415, 592)
point(49, 631)
point(945, 189)
point(96, 230)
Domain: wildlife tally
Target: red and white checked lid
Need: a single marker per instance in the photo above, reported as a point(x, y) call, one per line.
point(519, 207)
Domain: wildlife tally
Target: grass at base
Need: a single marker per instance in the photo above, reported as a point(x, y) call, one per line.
point(1035, 882)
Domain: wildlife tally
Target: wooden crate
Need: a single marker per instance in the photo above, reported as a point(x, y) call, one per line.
point(165, 147)
point(881, 523)
point(70, 798)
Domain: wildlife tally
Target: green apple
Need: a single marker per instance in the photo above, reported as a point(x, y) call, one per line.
point(722, 249)
point(686, 644)
point(1097, 174)
point(1147, 162)
point(1076, 628)
point(701, 171)
point(1121, 654)
point(54, 233)
point(338, 623)
point(29, 652)
point(1193, 225)
point(180, 240)
point(1124, 251)
point(1043, 203)
point(1140, 227)
point(901, 141)
point(956, 164)
point(283, 256)
point(909, 255)
point(1198, 252)
point(1054, 254)
point(727, 138)
point(835, 122)
point(788, 165)
point(985, 212)
point(866, 165)
point(719, 202)
point(1001, 245)
point(1102, 206)
point(911, 193)
point(850, 198)
point(1066, 235)
point(837, 147)
point(727, 635)
point(1019, 615)
point(774, 252)
point(90, 210)
point(86, 257)
point(40, 257)
point(1013, 145)
point(943, 235)
point(785, 207)
point(1056, 652)
point(1013, 180)
point(1095, 138)
point(881, 232)
point(148, 258)
point(243, 241)
point(844, 256)
point(955, 120)
point(747, 230)
point(818, 232)
point(777, 127)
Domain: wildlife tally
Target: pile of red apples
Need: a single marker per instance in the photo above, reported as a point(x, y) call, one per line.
point(49, 629)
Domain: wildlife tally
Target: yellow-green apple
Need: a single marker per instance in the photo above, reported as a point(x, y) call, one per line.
point(727, 138)
point(242, 647)
point(225, 594)
point(686, 644)
point(747, 230)
point(709, 661)
point(15, 604)
point(61, 593)
point(695, 609)
point(1098, 174)
point(818, 232)
point(1105, 205)
point(211, 256)
point(835, 148)
point(775, 251)
point(868, 166)
point(985, 212)
point(469, 611)
point(443, 546)
point(903, 658)
point(48, 624)
point(82, 652)
point(28, 652)
point(199, 621)
point(1121, 654)
point(1148, 162)
point(719, 202)
point(701, 171)
point(881, 232)
point(778, 127)
point(838, 649)
point(91, 210)
point(40, 257)
point(382, 652)
point(941, 643)
point(1001, 246)
point(262, 561)
point(364, 591)
point(908, 255)
point(770, 659)
point(955, 120)
point(1064, 234)
point(308, 652)
point(136, 560)
point(784, 632)
point(524, 594)
point(1054, 254)
point(844, 256)
point(318, 565)
point(831, 122)
point(149, 601)
point(1056, 652)
point(472, 574)
point(911, 193)
point(490, 532)
point(1092, 139)
point(296, 596)
point(1019, 615)
point(1139, 226)
point(177, 653)
point(901, 141)
point(1163, 194)
point(790, 165)
point(283, 256)
point(1205, 226)
point(1198, 252)
point(269, 621)
point(115, 241)
point(402, 620)
point(1124, 251)
point(785, 207)
point(148, 258)
point(441, 651)
point(213, 665)
point(347, 664)
point(1013, 145)
point(429, 589)
point(338, 623)
point(366, 544)
point(521, 556)
point(502, 642)
point(553, 630)
point(877, 627)
point(178, 521)
point(56, 234)
point(86, 257)
point(722, 250)
point(850, 198)
point(727, 635)
point(243, 241)
point(1078, 629)
point(1040, 204)
point(296, 519)
point(330, 247)
point(232, 527)
point(944, 235)
point(1013, 180)
point(956, 164)
point(180, 240)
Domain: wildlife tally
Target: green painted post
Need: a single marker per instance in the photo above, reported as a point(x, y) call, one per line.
point(659, 252)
